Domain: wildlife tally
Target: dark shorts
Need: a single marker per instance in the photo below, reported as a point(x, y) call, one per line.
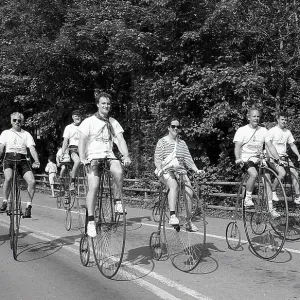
point(249, 164)
point(23, 165)
point(73, 149)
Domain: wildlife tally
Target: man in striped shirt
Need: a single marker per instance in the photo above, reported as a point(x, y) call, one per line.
point(172, 156)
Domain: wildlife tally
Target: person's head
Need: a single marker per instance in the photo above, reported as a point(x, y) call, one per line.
point(174, 127)
point(76, 116)
point(103, 101)
point(50, 159)
point(282, 118)
point(16, 120)
point(253, 116)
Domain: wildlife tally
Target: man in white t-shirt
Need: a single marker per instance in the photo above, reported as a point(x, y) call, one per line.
point(280, 136)
point(70, 143)
point(97, 134)
point(249, 141)
point(16, 141)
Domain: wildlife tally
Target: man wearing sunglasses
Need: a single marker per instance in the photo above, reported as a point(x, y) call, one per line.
point(167, 172)
point(16, 141)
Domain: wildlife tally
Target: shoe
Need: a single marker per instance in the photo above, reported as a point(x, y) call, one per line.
point(72, 187)
point(119, 208)
point(275, 198)
point(173, 220)
point(248, 201)
point(91, 229)
point(27, 212)
point(274, 214)
point(297, 200)
point(3, 206)
point(191, 227)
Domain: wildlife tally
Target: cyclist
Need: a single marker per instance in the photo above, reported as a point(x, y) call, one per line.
point(16, 141)
point(167, 171)
point(71, 138)
point(280, 136)
point(97, 134)
point(249, 141)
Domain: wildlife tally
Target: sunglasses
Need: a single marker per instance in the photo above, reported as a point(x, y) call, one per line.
point(17, 120)
point(175, 126)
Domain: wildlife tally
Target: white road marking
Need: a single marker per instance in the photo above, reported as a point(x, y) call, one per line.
point(48, 237)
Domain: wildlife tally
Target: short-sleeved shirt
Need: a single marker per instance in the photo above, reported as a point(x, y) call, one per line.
point(16, 141)
point(72, 134)
point(280, 138)
point(252, 140)
point(164, 147)
point(51, 167)
point(99, 142)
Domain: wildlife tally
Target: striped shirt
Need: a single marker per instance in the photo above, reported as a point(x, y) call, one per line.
point(164, 147)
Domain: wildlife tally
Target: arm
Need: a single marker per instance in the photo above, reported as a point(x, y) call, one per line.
point(1, 149)
point(272, 150)
point(295, 150)
point(35, 156)
point(158, 156)
point(123, 149)
point(237, 152)
point(82, 146)
point(65, 145)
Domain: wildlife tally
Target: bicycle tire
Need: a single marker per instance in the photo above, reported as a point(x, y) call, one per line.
point(109, 244)
point(68, 219)
point(84, 250)
point(186, 248)
point(293, 233)
point(155, 245)
point(265, 234)
point(233, 236)
point(15, 214)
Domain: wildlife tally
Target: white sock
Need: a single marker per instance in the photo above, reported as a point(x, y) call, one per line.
point(29, 203)
point(4, 200)
point(248, 194)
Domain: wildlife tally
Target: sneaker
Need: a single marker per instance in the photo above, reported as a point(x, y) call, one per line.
point(248, 201)
point(274, 214)
point(3, 206)
point(275, 198)
point(297, 200)
point(173, 220)
point(27, 212)
point(72, 187)
point(91, 229)
point(191, 227)
point(119, 208)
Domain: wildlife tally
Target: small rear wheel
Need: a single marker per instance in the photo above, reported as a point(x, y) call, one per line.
point(68, 220)
point(84, 250)
point(155, 245)
point(233, 236)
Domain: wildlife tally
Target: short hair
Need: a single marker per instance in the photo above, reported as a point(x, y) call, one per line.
point(98, 94)
point(76, 112)
point(281, 114)
point(251, 109)
point(173, 119)
point(17, 114)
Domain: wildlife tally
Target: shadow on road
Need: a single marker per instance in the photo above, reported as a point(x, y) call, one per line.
point(30, 252)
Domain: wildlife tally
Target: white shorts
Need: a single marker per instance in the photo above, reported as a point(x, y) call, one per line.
point(52, 178)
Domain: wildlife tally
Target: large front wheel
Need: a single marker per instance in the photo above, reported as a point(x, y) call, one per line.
point(109, 244)
point(266, 225)
point(186, 242)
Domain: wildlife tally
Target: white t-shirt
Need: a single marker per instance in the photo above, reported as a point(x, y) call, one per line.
point(98, 143)
point(280, 138)
point(16, 141)
point(252, 141)
point(51, 167)
point(71, 132)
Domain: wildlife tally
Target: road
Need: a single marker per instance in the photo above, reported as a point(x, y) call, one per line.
point(49, 267)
